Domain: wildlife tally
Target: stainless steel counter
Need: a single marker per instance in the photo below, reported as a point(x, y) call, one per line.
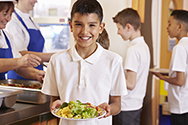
point(21, 111)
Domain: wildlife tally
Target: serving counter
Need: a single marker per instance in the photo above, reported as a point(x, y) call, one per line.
point(23, 112)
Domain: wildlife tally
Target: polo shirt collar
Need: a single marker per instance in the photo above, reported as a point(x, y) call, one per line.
point(183, 39)
point(91, 59)
point(138, 39)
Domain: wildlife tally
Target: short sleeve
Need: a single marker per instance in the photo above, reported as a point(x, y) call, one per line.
point(179, 59)
point(118, 87)
point(49, 86)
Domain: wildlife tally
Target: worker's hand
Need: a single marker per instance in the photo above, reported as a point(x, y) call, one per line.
point(29, 60)
point(106, 107)
point(40, 76)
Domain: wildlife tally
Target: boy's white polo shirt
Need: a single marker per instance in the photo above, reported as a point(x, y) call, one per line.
point(137, 59)
point(88, 80)
point(178, 96)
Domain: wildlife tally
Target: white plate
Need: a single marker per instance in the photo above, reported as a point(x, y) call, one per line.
point(56, 109)
point(166, 71)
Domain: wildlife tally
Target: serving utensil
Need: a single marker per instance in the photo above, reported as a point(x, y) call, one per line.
point(43, 64)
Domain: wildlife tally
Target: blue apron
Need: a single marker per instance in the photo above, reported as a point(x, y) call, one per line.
point(5, 53)
point(36, 44)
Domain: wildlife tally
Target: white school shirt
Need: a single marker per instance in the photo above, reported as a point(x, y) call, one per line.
point(137, 59)
point(20, 35)
point(3, 44)
point(89, 80)
point(178, 96)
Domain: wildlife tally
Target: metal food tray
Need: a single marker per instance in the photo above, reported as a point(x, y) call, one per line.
point(29, 95)
point(8, 97)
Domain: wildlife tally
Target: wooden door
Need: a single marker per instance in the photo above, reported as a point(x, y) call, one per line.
point(165, 54)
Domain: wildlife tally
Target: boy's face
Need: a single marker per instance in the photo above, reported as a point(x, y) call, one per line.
point(86, 29)
point(123, 32)
point(173, 27)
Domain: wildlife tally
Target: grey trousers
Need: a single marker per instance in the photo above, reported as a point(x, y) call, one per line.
point(127, 118)
point(179, 119)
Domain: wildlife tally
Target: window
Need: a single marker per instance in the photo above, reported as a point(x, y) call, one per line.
point(45, 8)
point(52, 17)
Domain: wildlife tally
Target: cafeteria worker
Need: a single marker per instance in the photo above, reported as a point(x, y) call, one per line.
point(25, 32)
point(22, 65)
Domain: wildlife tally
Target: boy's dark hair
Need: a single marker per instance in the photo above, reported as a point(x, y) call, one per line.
point(103, 39)
point(182, 16)
point(7, 6)
point(130, 16)
point(87, 7)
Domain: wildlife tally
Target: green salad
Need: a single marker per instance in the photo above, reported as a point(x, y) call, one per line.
point(78, 110)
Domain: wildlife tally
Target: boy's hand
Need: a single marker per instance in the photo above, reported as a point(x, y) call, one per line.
point(106, 107)
point(159, 75)
point(56, 104)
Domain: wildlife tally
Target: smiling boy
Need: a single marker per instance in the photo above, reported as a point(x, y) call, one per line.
point(86, 71)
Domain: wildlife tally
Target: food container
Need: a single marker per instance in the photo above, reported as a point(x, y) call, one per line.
point(8, 97)
point(30, 95)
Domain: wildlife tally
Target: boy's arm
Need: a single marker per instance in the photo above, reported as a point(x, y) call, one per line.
point(131, 79)
point(179, 80)
point(114, 106)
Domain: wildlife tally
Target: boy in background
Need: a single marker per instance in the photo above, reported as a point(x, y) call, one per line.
point(136, 67)
point(86, 72)
point(178, 71)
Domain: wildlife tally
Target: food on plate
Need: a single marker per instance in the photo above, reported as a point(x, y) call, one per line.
point(78, 110)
